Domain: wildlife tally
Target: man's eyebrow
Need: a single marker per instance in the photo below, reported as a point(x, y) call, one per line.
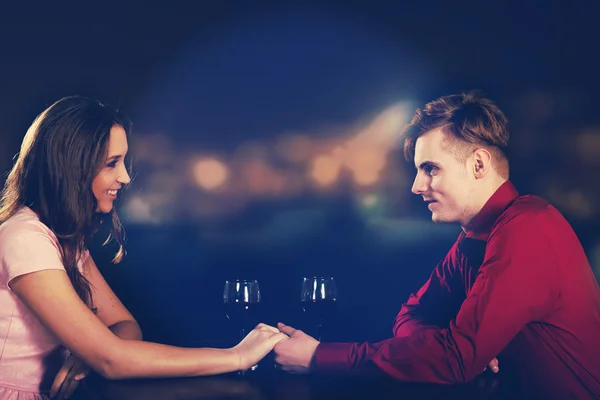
point(427, 164)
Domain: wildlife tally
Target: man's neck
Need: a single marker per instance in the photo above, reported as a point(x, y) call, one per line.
point(487, 191)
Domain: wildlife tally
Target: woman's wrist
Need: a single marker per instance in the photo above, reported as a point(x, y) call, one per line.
point(236, 358)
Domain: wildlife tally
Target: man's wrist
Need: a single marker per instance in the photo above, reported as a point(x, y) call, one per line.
point(312, 365)
point(332, 357)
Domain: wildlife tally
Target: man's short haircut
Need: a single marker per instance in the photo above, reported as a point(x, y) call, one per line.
point(469, 121)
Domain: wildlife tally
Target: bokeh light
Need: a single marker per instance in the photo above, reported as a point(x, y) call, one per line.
point(210, 173)
point(325, 170)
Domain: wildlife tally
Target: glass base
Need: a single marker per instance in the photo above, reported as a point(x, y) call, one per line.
point(248, 371)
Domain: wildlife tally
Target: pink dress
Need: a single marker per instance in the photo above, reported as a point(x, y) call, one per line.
point(30, 355)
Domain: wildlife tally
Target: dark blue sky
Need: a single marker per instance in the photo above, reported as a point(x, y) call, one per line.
point(262, 74)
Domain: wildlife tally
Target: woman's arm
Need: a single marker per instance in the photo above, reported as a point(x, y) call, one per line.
point(50, 295)
point(128, 330)
point(109, 308)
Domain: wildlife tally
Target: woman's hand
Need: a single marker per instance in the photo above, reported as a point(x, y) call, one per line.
point(257, 344)
point(68, 377)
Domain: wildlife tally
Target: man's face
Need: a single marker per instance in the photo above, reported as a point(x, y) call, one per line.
point(445, 183)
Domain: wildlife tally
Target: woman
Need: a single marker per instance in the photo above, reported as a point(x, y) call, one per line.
point(71, 166)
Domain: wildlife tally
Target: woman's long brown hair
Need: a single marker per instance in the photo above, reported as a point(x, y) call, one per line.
point(62, 152)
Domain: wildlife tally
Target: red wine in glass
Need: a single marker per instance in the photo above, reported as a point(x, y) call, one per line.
point(241, 299)
point(319, 310)
point(318, 297)
point(243, 315)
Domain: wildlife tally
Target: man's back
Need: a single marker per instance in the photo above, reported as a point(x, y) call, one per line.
point(558, 354)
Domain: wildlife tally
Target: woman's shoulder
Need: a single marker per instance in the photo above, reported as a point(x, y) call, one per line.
point(27, 245)
point(24, 224)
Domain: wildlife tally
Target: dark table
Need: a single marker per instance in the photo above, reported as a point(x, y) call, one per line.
point(280, 385)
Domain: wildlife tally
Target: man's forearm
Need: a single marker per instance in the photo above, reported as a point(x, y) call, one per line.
point(128, 330)
point(407, 324)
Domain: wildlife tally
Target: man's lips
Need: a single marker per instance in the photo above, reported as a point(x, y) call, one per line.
point(430, 203)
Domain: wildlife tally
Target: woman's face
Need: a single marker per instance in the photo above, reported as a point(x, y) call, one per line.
point(113, 174)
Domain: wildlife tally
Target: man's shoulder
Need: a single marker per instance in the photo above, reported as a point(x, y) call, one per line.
point(528, 205)
point(528, 209)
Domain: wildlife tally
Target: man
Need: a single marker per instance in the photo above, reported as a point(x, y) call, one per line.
point(515, 285)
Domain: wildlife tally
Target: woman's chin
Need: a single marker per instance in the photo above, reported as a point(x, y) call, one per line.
point(104, 209)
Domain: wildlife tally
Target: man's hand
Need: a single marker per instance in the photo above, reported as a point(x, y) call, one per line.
point(68, 377)
point(493, 365)
point(296, 353)
point(257, 344)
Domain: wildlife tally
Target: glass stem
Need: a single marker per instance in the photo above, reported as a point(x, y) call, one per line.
point(241, 372)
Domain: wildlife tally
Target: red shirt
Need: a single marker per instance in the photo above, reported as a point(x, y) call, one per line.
point(516, 285)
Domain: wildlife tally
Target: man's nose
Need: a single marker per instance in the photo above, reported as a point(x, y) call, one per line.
point(419, 186)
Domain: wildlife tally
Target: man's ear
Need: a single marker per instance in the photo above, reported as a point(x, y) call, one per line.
point(481, 163)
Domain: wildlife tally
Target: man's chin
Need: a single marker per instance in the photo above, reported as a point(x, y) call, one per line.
point(438, 219)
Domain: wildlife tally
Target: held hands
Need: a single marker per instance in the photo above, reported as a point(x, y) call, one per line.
point(296, 353)
point(68, 377)
point(257, 344)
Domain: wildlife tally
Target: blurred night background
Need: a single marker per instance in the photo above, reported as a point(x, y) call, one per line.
point(265, 138)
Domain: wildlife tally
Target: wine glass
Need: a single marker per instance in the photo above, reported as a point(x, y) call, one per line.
point(318, 297)
point(242, 299)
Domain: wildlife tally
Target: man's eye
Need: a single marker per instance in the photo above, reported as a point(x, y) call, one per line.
point(431, 170)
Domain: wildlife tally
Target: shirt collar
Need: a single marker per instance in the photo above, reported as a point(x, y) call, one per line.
point(481, 225)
